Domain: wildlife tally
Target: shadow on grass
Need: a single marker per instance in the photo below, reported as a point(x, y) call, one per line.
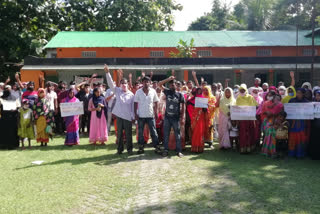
point(107, 159)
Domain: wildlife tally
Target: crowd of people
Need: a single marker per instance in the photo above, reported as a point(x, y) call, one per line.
point(166, 111)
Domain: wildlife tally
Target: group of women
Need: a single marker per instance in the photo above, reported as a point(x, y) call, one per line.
point(262, 134)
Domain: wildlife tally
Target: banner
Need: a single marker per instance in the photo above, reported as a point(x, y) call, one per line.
point(299, 111)
point(317, 110)
point(243, 112)
point(79, 80)
point(201, 102)
point(71, 109)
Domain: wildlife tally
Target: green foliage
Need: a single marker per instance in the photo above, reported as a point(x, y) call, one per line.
point(185, 50)
point(259, 15)
point(219, 18)
point(26, 25)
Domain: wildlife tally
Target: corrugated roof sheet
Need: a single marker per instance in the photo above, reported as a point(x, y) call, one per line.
point(146, 39)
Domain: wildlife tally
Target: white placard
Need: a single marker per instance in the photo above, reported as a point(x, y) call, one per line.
point(201, 102)
point(71, 109)
point(299, 111)
point(243, 112)
point(9, 105)
point(316, 110)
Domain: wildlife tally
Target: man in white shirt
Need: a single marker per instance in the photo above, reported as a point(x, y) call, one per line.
point(51, 97)
point(123, 110)
point(145, 108)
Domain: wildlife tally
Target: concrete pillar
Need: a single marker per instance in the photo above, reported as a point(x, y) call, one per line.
point(271, 77)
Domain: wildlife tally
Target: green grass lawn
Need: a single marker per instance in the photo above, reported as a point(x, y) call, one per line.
point(93, 179)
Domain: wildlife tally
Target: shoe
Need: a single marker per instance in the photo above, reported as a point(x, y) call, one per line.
point(180, 155)
point(165, 153)
point(119, 152)
point(130, 153)
point(158, 150)
point(140, 151)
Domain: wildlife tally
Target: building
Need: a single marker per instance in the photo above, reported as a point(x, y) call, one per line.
point(237, 55)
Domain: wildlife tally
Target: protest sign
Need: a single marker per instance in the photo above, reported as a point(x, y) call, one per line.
point(201, 102)
point(243, 112)
point(317, 110)
point(71, 109)
point(299, 111)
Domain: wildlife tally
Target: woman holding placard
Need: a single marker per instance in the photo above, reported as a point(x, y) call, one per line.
point(246, 127)
point(314, 146)
point(299, 130)
point(198, 124)
point(98, 123)
point(72, 122)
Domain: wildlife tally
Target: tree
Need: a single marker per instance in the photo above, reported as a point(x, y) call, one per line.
point(26, 25)
point(185, 50)
point(219, 18)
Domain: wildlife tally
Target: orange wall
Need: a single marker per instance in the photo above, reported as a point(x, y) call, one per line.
point(144, 52)
point(27, 76)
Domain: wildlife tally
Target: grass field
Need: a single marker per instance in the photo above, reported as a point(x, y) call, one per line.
point(93, 179)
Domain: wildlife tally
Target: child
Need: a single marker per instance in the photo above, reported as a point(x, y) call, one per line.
point(233, 133)
point(281, 126)
point(25, 123)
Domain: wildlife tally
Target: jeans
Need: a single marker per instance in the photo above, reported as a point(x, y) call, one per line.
point(125, 125)
point(175, 124)
point(152, 126)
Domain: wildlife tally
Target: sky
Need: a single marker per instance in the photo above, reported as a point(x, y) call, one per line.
point(192, 9)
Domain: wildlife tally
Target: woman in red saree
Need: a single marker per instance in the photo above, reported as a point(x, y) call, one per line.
point(198, 126)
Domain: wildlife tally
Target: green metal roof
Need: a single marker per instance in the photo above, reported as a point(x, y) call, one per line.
point(148, 39)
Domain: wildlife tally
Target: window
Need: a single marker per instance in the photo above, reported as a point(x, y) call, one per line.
point(88, 54)
point(264, 52)
point(204, 53)
point(156, 53)
point(308, 52)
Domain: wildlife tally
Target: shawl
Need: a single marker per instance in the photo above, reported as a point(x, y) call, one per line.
point(288, 98)
point(226, 102)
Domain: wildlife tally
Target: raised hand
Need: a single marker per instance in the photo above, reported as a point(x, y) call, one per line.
point(172, 78)
point(106, 68)
point(130, 76)
point(291, 74)
point(143, 74)
point(194, 73)
point(172, 72)
point(202, 79)
point(17, 76)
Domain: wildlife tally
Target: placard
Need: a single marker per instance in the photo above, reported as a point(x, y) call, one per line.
point(9, 105)
point(299, 111)
point(201, 102)
point(317, 110)
point(243, 112)
point(71, 109)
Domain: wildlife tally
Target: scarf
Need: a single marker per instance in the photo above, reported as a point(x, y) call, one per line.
point(226, 102)
point(287, 98)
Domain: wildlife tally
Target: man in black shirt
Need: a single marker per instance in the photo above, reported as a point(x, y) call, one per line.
point(174, 100)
